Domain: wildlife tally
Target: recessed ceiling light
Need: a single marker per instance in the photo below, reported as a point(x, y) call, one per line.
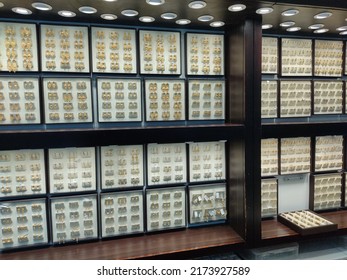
point(169, 16)
point(293, 29)
point(1, 4)
point(237, 8)
point(323, 15)
point(343, 33)
point(217, 23)
point(205, 18)
point(322, 30)
point(287, 24)
point(87, 10)
point(197, 4)
point(316, 26)
point(183, 21)
point(108, 16)
point(41, 6)
point(22, 11)
point(341, 28)
point(65, 13)
point(266, 26)
point(147, 19)
point(130, 13)
point(290, 13)
point(264, 11)
point(155, 2)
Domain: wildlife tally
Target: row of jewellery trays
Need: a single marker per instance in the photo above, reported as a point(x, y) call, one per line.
point(295, 98)
point(76, 218)
point(71, 170)
point(66, 49)
point(294, 155)
point(327, 192)
point(298, 55)
point(69, 100)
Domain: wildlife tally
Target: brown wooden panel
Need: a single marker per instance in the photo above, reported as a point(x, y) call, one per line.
point(176, 243)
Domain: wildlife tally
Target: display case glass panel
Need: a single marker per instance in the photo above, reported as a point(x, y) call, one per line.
point(269, 55)
point(207, 161)
point(67, 100)
point(269, 93)
point(74, 218)
point(166, 164)
point(122, 213)
point(19, 101)
point(165, 100)
point(328, 58)
point(72, 170)
point(296, 57)
point(207, 203)
point(18, 47)
point(327, 191)
point(166, 208)
point(160, 52)
point(114, 50)
point(122, 166)
point(119, 100)
point(64, 48)
point(22, 172)
point(205, 54)
point(295, 155)
point(23, 223)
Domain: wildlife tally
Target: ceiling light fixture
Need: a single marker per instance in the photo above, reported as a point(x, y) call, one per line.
point(290, 13)
point(41, 6)
point(217, 24)
point(169, 16)
point(65, 13)
point(323, 15)
point(197, 5)
point(343, 33)
point(87, 10)
point(316, 26)
point(205, 18)
point(287, 24)
point(130, 13)
point(110, 0)
point(293, 29)
point(108, 16)
point(341, 28)
point(183, 21)
point(1, 4)
point(322, 30)
point(237, 8)
point(155, 2)
point(22, 11)
point(264, 11)
point(266, 26)
point(147, 19)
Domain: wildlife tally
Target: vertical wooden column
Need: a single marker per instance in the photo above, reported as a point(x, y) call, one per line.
point(243, 74)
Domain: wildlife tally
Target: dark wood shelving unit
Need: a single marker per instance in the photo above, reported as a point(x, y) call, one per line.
point(170, 245)
point(19, 139)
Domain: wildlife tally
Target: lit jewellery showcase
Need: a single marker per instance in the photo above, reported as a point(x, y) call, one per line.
point(68, 183)
point(309, 80)
point(67, 195)
point(283, 160)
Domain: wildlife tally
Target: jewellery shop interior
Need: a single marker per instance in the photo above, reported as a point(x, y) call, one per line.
point(165, 129)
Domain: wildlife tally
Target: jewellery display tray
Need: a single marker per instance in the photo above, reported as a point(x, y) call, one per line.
point(323, 225)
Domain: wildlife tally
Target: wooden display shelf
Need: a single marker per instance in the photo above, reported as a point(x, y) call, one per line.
point(274, 230)
point(169, 245)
